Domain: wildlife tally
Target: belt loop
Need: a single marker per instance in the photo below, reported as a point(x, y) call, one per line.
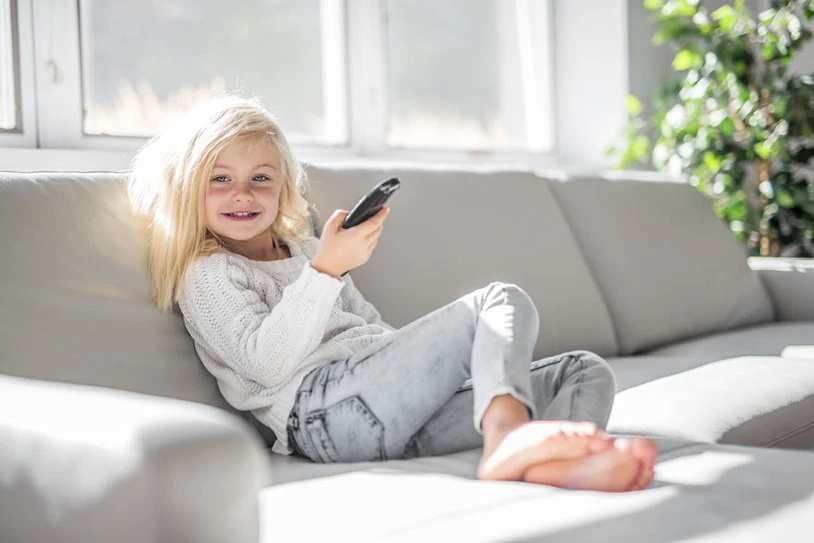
point(293, 421)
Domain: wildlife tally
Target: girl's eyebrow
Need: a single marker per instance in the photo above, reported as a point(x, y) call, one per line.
point(264, 165)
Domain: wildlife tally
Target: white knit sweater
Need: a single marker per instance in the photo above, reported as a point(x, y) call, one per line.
point(260, 327)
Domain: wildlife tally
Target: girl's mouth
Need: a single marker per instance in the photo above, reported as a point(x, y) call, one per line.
point(242, 215)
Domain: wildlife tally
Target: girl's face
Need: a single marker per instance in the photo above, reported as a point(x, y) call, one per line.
point(243, 196)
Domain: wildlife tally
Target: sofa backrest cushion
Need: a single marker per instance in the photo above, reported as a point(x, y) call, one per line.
point(74, 291)
point(451, 232)
point(668, 267)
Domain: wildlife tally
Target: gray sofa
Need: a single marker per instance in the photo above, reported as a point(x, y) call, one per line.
point(111, 430)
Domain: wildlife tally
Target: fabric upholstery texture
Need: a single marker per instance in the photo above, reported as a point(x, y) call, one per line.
point(790, 283)
point(775, 338)
point(74, 292)
point(756, 400)
point(701, 492)
point(451, 232)
point(93, 464)
point(666, 265)
point(752, 400)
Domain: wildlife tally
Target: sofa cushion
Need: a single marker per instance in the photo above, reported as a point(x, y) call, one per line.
point(749, 400)
point(74, 293)
point(668, 267)
point(790, 284)
point(789, 340)
point(451, 232)
point(95, 465)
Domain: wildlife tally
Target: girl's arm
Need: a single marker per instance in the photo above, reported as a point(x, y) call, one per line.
point(260, 343)
point(358, 304)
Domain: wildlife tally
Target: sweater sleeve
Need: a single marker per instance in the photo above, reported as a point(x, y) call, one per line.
point(261, 343)
point(358, 304)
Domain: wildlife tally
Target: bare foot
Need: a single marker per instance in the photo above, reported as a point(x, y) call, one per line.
point(509, 451)
point(646, 451)
point(626, 466)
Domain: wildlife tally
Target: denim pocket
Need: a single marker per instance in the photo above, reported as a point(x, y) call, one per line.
point(345, 432)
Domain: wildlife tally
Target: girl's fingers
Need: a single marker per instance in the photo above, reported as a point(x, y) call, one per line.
point(375, 234)
point(334, 222)
point(373, 223)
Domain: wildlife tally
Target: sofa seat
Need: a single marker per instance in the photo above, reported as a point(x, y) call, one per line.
point(748, 400)
point(750, 386)
point(785, 339)
point(436, 499)
point(795, 339)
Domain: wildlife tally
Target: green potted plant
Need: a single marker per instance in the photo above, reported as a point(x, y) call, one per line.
point(735, 120)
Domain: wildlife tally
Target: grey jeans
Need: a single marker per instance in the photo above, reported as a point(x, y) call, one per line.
point(422, 390)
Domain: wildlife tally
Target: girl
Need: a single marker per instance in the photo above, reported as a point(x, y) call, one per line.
point(291, 340)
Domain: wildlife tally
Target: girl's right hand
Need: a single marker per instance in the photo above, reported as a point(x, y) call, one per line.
point(342, 250)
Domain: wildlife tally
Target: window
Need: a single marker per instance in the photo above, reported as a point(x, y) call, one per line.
point(9, 117)
point(457, 80)
point(145, 61)
point(468, 74)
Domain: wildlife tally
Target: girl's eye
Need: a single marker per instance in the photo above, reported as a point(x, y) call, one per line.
point(220, 179)
point(260, 177)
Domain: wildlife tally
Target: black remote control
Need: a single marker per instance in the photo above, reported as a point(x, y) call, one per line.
point(371, 203)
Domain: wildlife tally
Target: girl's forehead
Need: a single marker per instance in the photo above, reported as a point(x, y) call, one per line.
point(255, 148)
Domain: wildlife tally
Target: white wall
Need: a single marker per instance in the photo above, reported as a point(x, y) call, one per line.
point(592, 77)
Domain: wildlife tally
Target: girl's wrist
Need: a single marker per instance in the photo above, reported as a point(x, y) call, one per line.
point(318, 266)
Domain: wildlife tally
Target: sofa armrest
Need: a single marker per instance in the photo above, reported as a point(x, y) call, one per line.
point(92, 464)
point(790, 282)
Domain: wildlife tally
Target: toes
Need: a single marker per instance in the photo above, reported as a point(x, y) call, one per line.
point(646, 451)
point(579, 429)
point(645, 478)
point(586, 428)
point(643, 451)
point(600, 445)
point(644, 448)
point(623, 444)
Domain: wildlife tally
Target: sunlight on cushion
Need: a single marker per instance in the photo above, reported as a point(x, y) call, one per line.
point(798, 351)
point(437, 507)
point(688, 470)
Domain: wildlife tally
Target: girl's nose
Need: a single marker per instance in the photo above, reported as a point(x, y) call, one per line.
point(242, 194)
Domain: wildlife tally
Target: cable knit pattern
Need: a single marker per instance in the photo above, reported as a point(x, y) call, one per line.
point(260, 327)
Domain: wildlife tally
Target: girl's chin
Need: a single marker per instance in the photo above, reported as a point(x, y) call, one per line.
point(239, 235)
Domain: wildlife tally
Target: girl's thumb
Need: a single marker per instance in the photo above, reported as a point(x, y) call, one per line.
point(336, 219)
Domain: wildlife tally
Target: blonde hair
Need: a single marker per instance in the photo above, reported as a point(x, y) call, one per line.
point(168, 181)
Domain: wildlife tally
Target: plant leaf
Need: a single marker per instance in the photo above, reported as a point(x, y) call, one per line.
point(686, 59)
point(762, 150)
point(783, 198)
point(633, 105)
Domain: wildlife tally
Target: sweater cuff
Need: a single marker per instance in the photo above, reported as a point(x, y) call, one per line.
point(319, 284)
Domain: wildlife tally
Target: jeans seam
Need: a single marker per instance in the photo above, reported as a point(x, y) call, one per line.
point(578, 387)
point(327, 449)
point(554, 361)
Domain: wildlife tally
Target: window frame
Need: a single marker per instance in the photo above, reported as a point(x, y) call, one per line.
point(25, 133)
point(55, 120)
